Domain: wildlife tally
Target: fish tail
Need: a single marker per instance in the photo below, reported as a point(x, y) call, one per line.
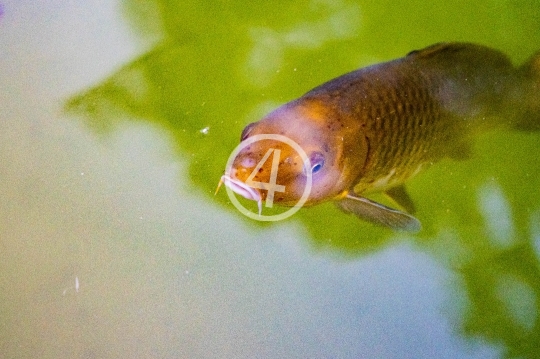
point(529, 95)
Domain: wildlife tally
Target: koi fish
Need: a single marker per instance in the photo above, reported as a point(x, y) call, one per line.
point(373, 129)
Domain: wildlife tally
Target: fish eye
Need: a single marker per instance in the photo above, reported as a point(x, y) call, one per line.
point(317, 162)
point(246, 131)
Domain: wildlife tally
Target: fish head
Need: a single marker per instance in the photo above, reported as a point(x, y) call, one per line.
point(277, 168)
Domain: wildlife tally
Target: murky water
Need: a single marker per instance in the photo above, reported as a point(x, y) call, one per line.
point(117, 121)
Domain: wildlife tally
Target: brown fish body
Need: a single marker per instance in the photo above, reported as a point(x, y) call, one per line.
point(372, 129)
point(415, 110)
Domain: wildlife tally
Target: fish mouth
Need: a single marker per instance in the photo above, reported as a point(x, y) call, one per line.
point(242, 189)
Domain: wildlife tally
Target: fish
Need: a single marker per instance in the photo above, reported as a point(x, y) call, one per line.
point(373, 129)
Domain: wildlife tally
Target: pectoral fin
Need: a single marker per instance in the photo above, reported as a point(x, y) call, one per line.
point(379, 214)
point(460, 151)
point(401, 197)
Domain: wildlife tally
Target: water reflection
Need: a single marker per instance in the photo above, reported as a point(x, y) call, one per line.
point(338, 21)
point(476, 213)
point(497, 214)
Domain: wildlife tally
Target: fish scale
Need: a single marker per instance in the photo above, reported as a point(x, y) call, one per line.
point(400, 132)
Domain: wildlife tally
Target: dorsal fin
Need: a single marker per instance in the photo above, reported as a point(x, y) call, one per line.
point(400, 196)
point(437, 49)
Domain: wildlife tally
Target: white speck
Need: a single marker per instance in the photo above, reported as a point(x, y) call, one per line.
point(77, 286)
point(205, 130)
point(294, 69)
point(82, 173)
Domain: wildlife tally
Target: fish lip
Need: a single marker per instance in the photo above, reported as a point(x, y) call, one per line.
point(243, 190)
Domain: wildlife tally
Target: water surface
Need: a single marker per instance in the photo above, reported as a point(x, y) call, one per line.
point(117, 121)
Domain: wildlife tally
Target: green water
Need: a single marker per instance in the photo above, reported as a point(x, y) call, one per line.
point(117, 122)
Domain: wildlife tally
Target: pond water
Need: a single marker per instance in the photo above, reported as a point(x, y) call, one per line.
point(117, 121)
